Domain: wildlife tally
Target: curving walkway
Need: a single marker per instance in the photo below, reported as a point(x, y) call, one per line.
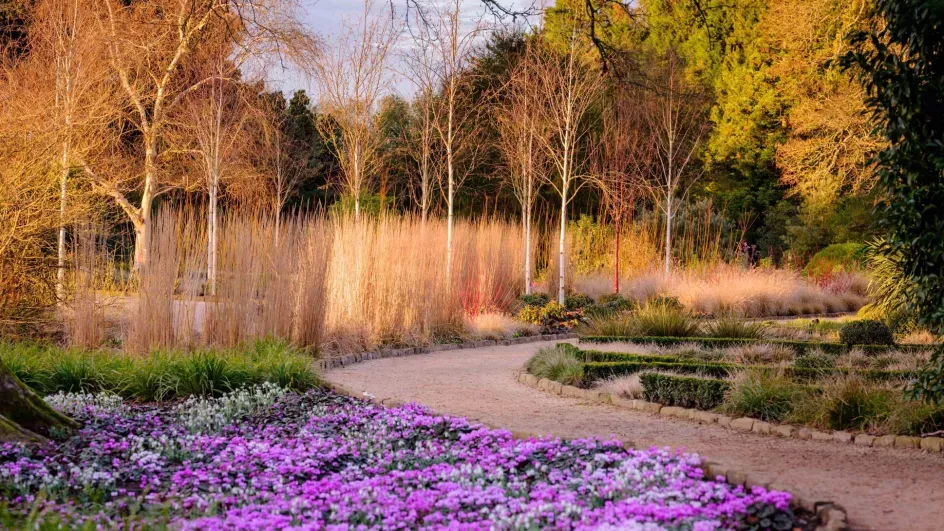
point(881, 488)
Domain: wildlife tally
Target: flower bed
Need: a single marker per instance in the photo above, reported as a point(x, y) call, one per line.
point(264, 459)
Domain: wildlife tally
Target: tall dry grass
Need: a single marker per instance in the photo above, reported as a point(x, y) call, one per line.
point(725, 288)
point(84, 311)
point(328, 282)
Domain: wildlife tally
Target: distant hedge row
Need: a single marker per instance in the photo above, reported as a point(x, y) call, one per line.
point(595, 371)
point(800, 347)
point(598, 365)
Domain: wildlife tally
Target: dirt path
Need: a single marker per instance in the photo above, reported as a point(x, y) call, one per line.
point(882, 489)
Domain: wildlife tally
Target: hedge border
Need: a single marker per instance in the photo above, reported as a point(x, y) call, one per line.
point(598, 370)
point(832, 515)
point(799, 347)
point(928, 444)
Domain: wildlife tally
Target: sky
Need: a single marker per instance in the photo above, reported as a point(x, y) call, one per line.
point(324, 17)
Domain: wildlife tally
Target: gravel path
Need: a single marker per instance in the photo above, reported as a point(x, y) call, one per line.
point(882, 489)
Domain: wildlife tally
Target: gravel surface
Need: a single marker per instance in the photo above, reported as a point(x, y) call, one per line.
point(882, 489)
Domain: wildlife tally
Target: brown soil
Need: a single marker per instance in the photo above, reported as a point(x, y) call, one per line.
point(882, 489)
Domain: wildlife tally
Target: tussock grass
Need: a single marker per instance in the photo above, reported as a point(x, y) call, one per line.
point(728, 325)
point(766, 395)
point(628, 387)
point(665, 320)
point(557, 364)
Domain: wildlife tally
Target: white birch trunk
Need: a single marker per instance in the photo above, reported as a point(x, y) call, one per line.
point(563, 238)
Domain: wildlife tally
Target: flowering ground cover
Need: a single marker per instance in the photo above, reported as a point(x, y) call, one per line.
point(263, 458)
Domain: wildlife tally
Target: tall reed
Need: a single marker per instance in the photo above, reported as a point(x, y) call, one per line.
point(330, 282)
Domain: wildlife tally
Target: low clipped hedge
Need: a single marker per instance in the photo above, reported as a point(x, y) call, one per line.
point(598, 370)
point(683, 391)
point(800, 347)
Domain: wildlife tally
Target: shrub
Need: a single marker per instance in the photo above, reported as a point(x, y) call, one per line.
point(733, 327)
point(665, 320)
point(609, 305)
point(553, 311)
point(535, 299)
point(866, 332)
point(683, 391)
point(836, 258)
point(557, 364)
point(763, 394)
point(576, 301)
point(530, 314)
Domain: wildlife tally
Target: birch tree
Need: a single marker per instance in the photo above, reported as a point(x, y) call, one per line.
point(352, 76)
point(282, 162)
point(676, 119)
point(65, 52)
point(154, 49)
point(566, 89)
point(420, 59)
point(453, 43)
point(215, 118)
point(521, 134)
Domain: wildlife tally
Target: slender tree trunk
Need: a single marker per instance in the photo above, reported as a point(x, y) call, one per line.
point(61, 246)
point(450, 216)
point(563, 237)
point(616, 255)
point(213, 233)
point(668, 234)
point(24, 416)
point(526, 227)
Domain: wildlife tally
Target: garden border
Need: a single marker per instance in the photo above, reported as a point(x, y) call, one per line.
point(336, 362)
point(746, 424)
point(833, 517)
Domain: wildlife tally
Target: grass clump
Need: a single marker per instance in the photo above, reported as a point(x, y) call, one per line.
point(629, 387)
point(734, 327)
point(664, 319)
point(557, 364)
point(767, 395)
point(846, 403)
point(611, 325)
point(160, 375)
